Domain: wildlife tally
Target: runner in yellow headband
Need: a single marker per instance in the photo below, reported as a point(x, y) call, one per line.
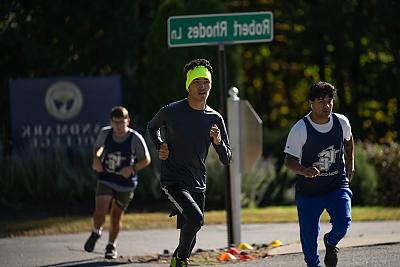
point(191, 127)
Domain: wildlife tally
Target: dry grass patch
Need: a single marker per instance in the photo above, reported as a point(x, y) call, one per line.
point(159, 220)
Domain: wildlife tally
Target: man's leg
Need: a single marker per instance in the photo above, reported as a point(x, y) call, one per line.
point(103, 199)
point(185, 204)
point(115, 222)
point(119, 204)
point(101, 210)
point(338, 205)
point(309, 211)
point(115, 226)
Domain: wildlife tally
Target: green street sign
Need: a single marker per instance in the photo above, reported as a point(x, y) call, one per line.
point(251, 27)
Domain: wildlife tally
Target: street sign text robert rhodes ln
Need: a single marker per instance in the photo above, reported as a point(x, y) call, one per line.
point(220, 28)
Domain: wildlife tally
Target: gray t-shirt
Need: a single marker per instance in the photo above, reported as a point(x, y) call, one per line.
point(187, 133)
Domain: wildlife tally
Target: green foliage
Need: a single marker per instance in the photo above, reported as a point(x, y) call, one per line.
point(274, 140)
point(73, 38)
point(281, 190)
point(60, 177)
point(257, 181)
point(216, 181)
point(386, 160)
point(253, 185)
point(354, 48)
point(365, 181)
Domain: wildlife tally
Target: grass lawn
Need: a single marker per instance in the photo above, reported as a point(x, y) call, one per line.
point(154, 220)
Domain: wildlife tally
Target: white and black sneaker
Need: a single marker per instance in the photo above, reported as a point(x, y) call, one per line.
point(111, 252)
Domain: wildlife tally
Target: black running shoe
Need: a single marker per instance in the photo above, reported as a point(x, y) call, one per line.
point(331, 257)
point(91, 242)
point(178, 262)
point(111, 252)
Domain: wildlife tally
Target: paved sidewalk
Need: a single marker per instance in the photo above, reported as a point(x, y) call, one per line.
point(67, 250)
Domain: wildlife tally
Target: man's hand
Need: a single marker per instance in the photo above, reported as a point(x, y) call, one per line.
point(294, 165)
point(215, 134)
point(350, 170)
point(163, 152)
point(96, 165)
point(127, 172)
point(310, 172)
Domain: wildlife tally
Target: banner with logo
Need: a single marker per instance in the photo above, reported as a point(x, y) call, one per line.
point(69, 111)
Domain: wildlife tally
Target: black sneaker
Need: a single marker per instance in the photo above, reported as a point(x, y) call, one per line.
point(178, 262)
point(91, 242)
point(331, 257)
point(111, 252)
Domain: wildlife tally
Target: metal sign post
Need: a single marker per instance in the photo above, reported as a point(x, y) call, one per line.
point(222, 85)
point(233, 109)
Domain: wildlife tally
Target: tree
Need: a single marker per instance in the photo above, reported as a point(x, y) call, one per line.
point(62, 38)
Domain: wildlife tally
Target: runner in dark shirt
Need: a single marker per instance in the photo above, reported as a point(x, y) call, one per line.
point(188, 129)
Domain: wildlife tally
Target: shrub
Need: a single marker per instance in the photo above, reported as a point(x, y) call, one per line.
point(365, 181)
point(386, 160)
point(257, 181)
point(61, 176)
point(281, 190)
point(253, 185)
point(216, 183)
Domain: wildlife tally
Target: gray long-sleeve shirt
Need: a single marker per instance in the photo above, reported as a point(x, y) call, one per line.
point(187, 133)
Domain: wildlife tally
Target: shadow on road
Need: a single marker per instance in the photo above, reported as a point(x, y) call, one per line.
point(97, 262)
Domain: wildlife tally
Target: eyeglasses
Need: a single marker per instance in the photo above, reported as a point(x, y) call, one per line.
point(119, 122)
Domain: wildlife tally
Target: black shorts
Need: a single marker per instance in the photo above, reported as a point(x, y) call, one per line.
point(184, 203)
point(122, 199)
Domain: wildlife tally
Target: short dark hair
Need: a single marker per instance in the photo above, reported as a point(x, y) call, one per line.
point(195, 63)
point(119, 112)
point(321, 89)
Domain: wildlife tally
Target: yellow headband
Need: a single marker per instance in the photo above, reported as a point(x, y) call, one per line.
point(197, 72)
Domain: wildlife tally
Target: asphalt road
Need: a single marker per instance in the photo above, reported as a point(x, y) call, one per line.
point(366, 244)
point(375, 256)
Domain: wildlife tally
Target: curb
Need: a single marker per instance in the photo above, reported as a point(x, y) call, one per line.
point(362, 240)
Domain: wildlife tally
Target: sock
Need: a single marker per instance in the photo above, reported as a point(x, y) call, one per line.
point(97, 231)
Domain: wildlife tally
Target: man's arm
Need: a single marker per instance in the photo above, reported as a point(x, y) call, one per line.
point(349, 157)
point(220, 142)
point(98, 149)
point(96, 165)
point(293, 164)
point(153, 128)
point(141, 150)
point(141, 164)
point(130, 170)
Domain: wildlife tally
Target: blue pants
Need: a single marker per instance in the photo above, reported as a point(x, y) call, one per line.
point(309, 210)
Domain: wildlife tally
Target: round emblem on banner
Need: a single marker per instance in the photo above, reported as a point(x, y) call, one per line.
point(64, 100)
